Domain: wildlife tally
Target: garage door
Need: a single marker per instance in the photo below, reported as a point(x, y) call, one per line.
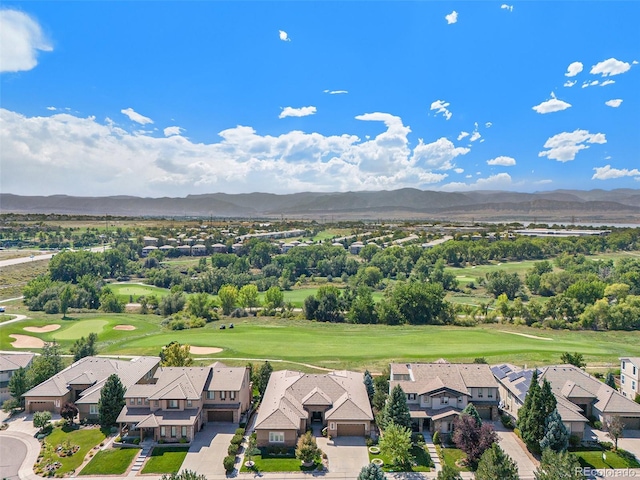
point(351, 430)
point(220, 416)
point(485, 413)
point(631, 423)
point(41, 406)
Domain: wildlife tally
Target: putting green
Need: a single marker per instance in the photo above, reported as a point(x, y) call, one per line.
point(81, 329)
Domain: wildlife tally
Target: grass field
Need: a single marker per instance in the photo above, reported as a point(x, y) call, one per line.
point(86, 438)
point(124, 291)
point(165, 460)
point(113, 461)
point(13, 278)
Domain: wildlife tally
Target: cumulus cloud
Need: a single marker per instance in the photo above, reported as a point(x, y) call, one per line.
point(475, 135)
point(462, 135)
point(21, 39)
point(169, 131)
point(607, 82)
point(458, 170)
point(493, 182)
point(552, 105)
point(615, 103)
point(608, 173)
point(297, 112)
point(574, 69)
point(284, 36)
point(570, 83)
point(452, 17)
point(610, 67)
point(53, 109)
point(564, 146)
point(135, 116)
point(336, 92)
point(440, 106)
point(438, 155)
point(504, 6)
point(502, 161)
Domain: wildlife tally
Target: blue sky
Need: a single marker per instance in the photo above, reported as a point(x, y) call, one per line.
point(162, 98)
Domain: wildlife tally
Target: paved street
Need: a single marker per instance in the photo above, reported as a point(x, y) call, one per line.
point(12, 454)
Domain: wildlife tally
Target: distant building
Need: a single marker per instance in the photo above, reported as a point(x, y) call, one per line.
point(219, 248)
point(630, 377)
point(199, 250)
point(148, 249)
point(547, 232)
point(9, 363)
point(355, 248)
point(150, 241)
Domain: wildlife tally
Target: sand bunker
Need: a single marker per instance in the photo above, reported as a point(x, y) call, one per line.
point(26, 341)
point(526, 335)
point(204, 350)
point(45, 329)
point(124, 327)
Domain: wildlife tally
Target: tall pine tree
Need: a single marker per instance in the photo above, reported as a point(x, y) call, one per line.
point(556, 435)
point(528, 418)
point(471, 410)
point(18, 384)
point(396, 410)
point(368, 383)
point(496, 464)
point(111, 401)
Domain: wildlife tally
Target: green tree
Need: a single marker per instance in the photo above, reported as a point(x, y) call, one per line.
point(449, 473)
point(201, 305)
point(228, 295)
point(261, 378)
point(420, 303)
point(555, 466)
point(363, 308)
point(274, 298)
point(46, 365)
point(307, 449)
point(19, 384)
point(65, 298)
point(495, 464)
point(556, 436)
point(248, 297)
point(538, 405)
point(371, 472)
point(176, 355)
point(85, 347)
point(396, 444)
point(109, 303)
point(576, 359)
point(499, 282)
point(470, 409)
point(41, 419)
point(368, 384)
point(396, 410)
point(111, 401)
point(172, 303)
point(611, 381)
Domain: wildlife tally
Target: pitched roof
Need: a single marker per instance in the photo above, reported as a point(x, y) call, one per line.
point(226, 378)
point(514, 379)
point(13, 361)
point(634, 360)
point(93, 370)
point(288, 392)
point(424, 378)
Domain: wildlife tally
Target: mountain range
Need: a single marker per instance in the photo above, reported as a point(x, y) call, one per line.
point(597, 206)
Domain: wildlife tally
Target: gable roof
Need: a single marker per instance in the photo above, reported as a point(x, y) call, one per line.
point(288, 392)
point(13, 361)
point(425, 378)
point(633, 360)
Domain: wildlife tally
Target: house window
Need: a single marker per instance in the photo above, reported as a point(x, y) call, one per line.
point(634, 370)
point(459, 399)
point(489, 393)
point(621, 378)
point(211, 395)
point(232, 395)
point(132, 401)
point(184, 432)
point(222, 395)
point(633, 385)
point(445, 400)
point(411, 396)
point(173, 432)
point(139, 401)
point(57, 403)
point(146, 401)
point(163, 431)
point(624, 365)
point(173, 404)
point(156, 403)
point(93, 409)
point(479, 393)
point(189, 403)
point(276, 437)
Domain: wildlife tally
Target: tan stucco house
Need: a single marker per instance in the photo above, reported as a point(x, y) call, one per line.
point(630, 377)
point(294, 400)
point(9, 363)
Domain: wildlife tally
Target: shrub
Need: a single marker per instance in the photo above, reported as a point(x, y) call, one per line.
point(517, 432)
point(233, 449)
point(118, 439)
point(239, 431)
point(436, 438)
point(369, 440)
point(237, 439)
point(183, 440)
point(136, 441)
point(606, 445)
point(507, 421)
point(242, 425)
point(229, 463)
point(417, 438)
point(574, 440)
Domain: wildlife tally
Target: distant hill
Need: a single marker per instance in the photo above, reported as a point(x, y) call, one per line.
point(621, 205)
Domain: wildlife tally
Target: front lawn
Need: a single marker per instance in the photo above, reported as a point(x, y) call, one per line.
point(165, 460)
point(421, 461)
point(592, 457)
point(277, 464)
point(85, 438)
point(114, 461)
point(451, 455)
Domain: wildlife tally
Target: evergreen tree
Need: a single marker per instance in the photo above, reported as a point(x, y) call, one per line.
point(556, 466)
point(85, 347)
point(19, 384)
point(381, 390)
point(611, 381)
point(496, 464)
point(471, 410)
point(368, 383)
point(111, 401)
point(548, 400)
point(371, 472)
point(261, 378)
point(527, 415)
point(396, 410)
point(556, 435)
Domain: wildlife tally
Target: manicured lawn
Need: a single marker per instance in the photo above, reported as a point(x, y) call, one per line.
point(450, 456)
point(124, 291)
point(81, 329)
point(277, 464)
point(165, 459)
point(86, 438)
point(113, 461)
point(593, 458)
point(420, 456)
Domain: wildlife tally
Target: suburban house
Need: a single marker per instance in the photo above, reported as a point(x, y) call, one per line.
point(514, 384)
point(82, 381)
point(177, 401)
point(630, 377)
point(295, 400)
point(438, 392)
point(9, 363)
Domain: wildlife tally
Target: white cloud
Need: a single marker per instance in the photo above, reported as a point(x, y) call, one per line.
point(615, 103)
point(297, 112)
point(607, 82)
point(475, 135)
point(284, 36)
point(493, 182)
point(502, 161)
point(21, 39)
point(135, 116)
point(462, 135)
point(452, 17)
point(570, 83)
point(574, 69)
point(437, 155)
point(488, 125)
point(544, 181)
point(440, 106)
point(610, 67)
point(564, 146)
point(458, 170)
point(608, 173)
point(635, 62)
point(53, 109)
point(169, 131)
point(552, 105)
point(504, 6)
point(335, 92)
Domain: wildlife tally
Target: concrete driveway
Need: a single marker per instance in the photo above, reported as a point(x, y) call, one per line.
point(513, 447)
point(347, 455)
point(209, 449)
